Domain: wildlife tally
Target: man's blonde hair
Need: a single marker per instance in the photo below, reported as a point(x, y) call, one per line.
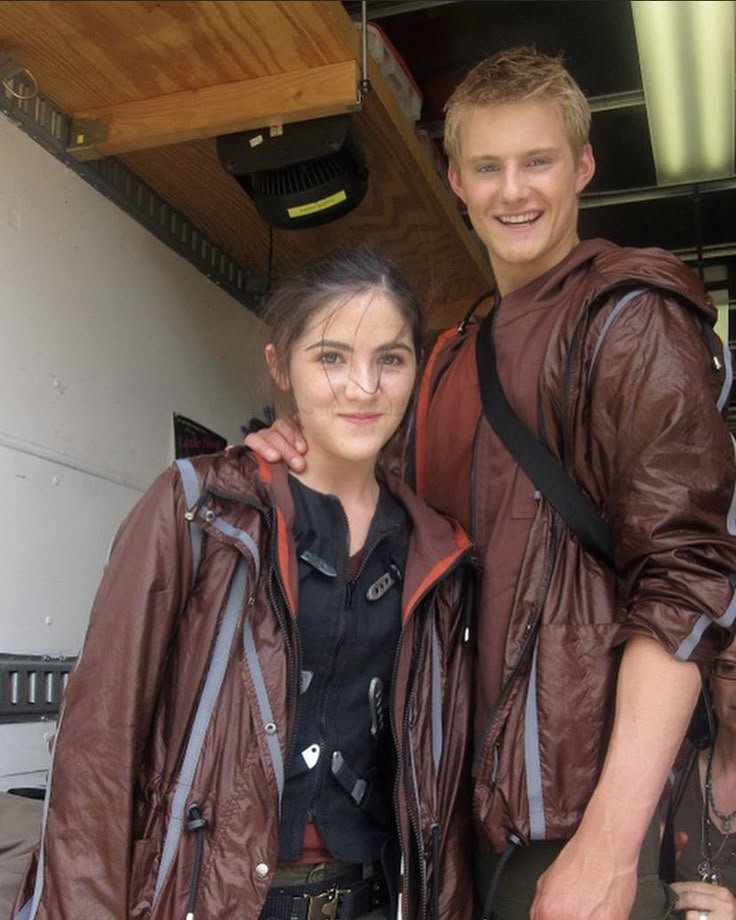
point(515, 75)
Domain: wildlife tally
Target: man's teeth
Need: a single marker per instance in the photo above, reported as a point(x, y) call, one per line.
point(519, 218)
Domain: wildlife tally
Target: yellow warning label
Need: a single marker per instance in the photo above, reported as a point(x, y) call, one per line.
point(303, 209)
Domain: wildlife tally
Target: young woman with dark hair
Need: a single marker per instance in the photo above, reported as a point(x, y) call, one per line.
point(270, 715)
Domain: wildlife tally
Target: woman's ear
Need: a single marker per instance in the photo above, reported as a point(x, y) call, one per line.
point(277, 372)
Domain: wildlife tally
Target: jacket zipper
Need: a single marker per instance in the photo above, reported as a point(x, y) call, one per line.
point(474, 484)
point(350, 587)
point(293, 649)
point(415, 818)
point(531, 631)
point(459, 560)
point(533, 622)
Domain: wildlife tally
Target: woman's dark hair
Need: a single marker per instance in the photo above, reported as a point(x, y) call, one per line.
point(333, 279)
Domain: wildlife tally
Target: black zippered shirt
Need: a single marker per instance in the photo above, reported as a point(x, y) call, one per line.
point(340, 768)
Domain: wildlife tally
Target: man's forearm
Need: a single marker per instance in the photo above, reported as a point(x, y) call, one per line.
point(655, 697)
point(595, 874)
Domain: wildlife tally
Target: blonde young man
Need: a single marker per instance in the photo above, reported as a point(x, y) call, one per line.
point(586, 676)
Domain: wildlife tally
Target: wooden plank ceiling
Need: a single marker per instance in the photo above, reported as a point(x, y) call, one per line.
point(100, 60)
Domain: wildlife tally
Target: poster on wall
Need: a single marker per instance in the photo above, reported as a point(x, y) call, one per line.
point(191, 438)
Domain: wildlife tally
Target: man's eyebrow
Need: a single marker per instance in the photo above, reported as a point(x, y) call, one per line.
point(495, 157)
point(542, 151)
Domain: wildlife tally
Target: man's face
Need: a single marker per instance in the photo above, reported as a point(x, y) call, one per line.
point(520, 180)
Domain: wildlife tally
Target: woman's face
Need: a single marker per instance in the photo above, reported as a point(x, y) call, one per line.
point(351, 374)
point(724, 690)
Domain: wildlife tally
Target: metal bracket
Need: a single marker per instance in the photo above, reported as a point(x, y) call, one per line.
point(84, 135)
point(31, 686)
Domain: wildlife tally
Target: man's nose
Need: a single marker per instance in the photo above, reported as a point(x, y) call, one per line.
point(513, 187)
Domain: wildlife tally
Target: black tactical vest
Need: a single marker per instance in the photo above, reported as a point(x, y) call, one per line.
point(340, 768)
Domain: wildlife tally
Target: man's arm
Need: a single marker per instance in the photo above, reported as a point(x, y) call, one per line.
point(667, 462)
point(595, 875)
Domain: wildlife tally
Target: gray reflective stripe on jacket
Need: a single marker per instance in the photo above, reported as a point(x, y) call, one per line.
point(210, 692)
point(24, 913)
point(618, 307)
point(191, 493)
point(215, 674)
point(269, 726)
point(726, 620)
point(532, 760)
point(437, 734)
point(727, 377)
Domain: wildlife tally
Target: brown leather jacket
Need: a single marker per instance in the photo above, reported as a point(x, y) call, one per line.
point(131, 755)
point(631, 396)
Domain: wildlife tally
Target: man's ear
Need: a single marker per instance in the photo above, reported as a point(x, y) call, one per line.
point(277, 372)
point(585, 168)
point(453, 174)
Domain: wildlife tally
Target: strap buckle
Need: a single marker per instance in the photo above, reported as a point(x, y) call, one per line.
point(323, 906)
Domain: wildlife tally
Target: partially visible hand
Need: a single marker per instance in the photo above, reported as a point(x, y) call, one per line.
point(693, 898)
point(282, 441)
point(586, 882)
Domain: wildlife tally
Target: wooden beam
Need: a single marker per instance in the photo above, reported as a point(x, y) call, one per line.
point(262, 102)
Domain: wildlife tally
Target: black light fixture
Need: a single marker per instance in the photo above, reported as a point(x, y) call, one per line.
point(300, 175)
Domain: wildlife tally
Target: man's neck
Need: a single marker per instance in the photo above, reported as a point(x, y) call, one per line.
point(512, 277)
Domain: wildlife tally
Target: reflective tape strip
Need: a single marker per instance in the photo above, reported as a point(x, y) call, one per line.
point(191, 493)
point(535, 798)
point(689, 643)
point(25, 912)
point(608, 323)
point(437, 737)
point(272, 738)
point(727, 619)
point(727, 377)
point(731, 516)
point(242, 537)
point(210, 692)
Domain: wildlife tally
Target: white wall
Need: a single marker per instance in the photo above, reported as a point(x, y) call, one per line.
point(104, 333)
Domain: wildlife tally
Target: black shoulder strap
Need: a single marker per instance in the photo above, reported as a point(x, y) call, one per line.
point(544, 470)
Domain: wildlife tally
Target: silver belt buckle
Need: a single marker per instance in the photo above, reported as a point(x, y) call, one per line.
point(324, 906)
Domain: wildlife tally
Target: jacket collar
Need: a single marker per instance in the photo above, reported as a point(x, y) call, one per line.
point(435, 544)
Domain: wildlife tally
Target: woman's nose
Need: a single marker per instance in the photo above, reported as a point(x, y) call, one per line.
point(363, 379)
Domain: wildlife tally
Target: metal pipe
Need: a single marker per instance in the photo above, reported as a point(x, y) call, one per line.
point(365, 84)
point(604, 103)
point(655, 192)
point(397, 7)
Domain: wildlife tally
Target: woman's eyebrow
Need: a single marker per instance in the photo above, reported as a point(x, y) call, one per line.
point(330, 343)
point(390, 346)
point(342, 346)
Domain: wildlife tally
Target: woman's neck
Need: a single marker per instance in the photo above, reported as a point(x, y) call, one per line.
point(723, 779)
point(724, 754)
point(356, 487)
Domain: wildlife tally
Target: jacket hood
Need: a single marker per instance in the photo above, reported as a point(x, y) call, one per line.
point(610, 266)
point(435, 543)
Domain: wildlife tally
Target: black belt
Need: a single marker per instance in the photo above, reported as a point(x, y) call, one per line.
point(346, 897)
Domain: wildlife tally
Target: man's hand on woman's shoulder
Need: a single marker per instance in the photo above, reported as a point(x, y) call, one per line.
point(282, 441)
